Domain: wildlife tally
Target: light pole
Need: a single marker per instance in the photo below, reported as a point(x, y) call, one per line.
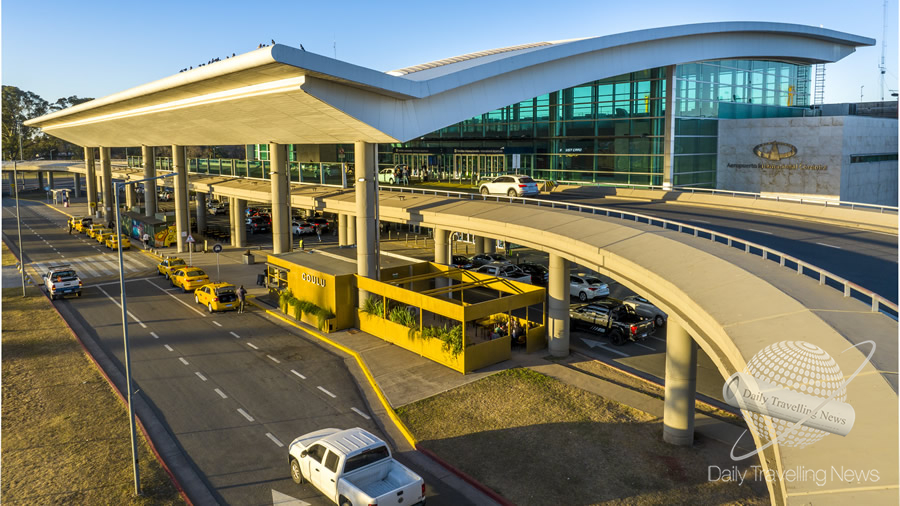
point(134, 455)
point(19, 216)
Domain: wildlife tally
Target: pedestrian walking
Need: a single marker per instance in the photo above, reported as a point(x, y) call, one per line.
point(70, 226)
point(319, 232)
point(146, 239)
point(241, 295)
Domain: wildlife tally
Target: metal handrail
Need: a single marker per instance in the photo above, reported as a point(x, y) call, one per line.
point(733, 193)
point(850, 289)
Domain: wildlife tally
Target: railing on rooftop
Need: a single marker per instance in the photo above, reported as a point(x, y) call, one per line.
point(876, 302)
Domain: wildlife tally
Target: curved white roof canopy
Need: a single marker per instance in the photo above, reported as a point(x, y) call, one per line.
point(284, 95)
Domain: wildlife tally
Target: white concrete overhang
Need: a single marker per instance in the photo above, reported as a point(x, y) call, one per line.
point(284, 95)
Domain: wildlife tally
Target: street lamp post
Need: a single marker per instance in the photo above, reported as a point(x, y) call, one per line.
point(134, 455)
point(19, 216)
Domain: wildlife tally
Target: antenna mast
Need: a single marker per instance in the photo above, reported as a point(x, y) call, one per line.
point(881, 67)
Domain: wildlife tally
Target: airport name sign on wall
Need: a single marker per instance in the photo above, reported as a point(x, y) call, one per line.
point(776, 151)
point(313, 279)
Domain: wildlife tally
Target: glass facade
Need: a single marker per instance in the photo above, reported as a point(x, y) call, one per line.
point(613, 130)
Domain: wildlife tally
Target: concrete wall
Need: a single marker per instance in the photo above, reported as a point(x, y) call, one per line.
point(870, 182)
point(821, 166)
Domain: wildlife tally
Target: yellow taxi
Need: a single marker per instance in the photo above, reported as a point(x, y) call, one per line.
point(81, 224)
point(169, 265)
point(95, 229)
point(112, 242)
point(103, 236)
point(189, 278)
point(217, 297)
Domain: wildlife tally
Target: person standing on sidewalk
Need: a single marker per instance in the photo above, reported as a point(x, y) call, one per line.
point(146, 239)
point(241, 295)
point(70, 226)
point(319, 232)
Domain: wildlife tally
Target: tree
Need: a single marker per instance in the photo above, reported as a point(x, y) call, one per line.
point(18, 106)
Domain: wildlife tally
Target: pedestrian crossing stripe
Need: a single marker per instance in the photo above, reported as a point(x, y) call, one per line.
point(98, 266)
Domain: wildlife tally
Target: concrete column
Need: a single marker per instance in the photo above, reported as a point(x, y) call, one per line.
point(12, 182)
point(681, 385)
point(351, 230)
point(91, 179)
point(342, 230)
point(40, 178)
point(366, 215)
point(182, 208)
point(558, 307)
point(50, 181)
point(130, 196)
point(441, 237)
point(201, 212)
point(109, 199)
point(669, 125)
point(490, 245)
point(281, 215)
point(149, 186)
point(479, 245)
point(77, 184)
point(240, 233)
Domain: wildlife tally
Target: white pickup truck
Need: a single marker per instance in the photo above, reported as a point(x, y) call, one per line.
point(61, 280)
point(352, 468)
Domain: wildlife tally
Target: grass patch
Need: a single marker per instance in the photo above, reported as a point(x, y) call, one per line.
point(8, 257)
point(65, 433)
point(536, 440)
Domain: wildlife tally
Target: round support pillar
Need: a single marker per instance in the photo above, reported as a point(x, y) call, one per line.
point(351, 230)
point(558, 307)
point(91, 180)
point(77, 184)
point(681, 385)
point(342, 230)
point(182, 208)
point(441, 254)
point(108, 198)
point(479, 245)
point(240, 230)
point(50, 181)
point(490, 245)
point(149, 186)
point(201, 213)
point(281, 215)
point(366, 215)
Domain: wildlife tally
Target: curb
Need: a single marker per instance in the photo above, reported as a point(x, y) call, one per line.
point(122, 399)
point(390, 410)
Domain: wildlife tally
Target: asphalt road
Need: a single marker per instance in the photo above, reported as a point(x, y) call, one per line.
point(233, 389)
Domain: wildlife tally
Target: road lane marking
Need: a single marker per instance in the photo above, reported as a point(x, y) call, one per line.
point(252, 346)
point(154, 335)
point(248, 417)
point(700, 221)
point(217, 323)
point(183, 361)
point(120, 306)
point(116, 282)
point(163, 290)
point(829, 245)
point(360, 413)
point(658, 339)
point(200, 375)
point(273, 359)
point(298, 374)
point(274, 439)
point(235, 335)
point(327, 392)
point(168, 347)
point(759, 231)
point(221, 393)
point(645, 346)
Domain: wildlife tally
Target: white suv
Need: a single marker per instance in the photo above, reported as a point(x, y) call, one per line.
point(513, 186)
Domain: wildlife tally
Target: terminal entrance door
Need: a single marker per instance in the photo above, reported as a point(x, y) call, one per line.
point(478, 167)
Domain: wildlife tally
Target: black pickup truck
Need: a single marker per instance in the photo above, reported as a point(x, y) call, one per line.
point(613, 318)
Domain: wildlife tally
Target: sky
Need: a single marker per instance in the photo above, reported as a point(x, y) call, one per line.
point(93, 48)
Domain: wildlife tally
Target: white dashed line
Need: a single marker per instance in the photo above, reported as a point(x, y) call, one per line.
point(252, 346)
point(183, 361)
point(235, 335)
point(221, 393)
point(298, 374)
point(192, 308)
point(168, 347)
point(829, 245)
point(217, 323)
point(759, 231)
point(248, 417)
point(119, 306)
point(360, 413)
point(658, 339)
point(700, 221)
point(273, 359)
point(645, 346)
point(274, 439)
point(327, 392)
point(200, 375)
point(154, 335)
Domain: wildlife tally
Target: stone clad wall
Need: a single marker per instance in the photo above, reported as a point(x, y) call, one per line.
point(821, 166)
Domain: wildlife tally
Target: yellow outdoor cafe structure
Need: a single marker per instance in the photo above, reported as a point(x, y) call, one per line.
point(461, 319)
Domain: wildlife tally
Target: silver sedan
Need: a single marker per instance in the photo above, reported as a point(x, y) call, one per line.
point(646, 309)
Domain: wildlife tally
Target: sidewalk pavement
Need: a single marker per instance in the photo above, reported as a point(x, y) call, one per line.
point(405, 377)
